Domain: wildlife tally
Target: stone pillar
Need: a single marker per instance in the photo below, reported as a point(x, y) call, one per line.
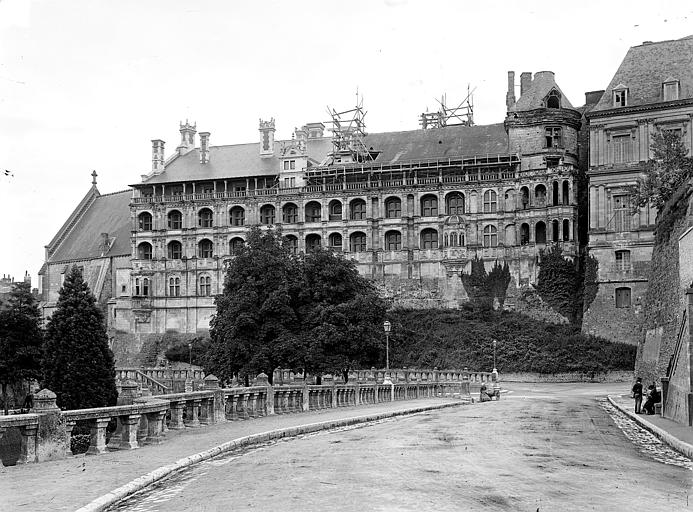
point(305, 398)
point(192, 411)
point(53, 442)
point(155, 427)
point(97, 444)
point(243, 413)
point(128, 434)
point(262, 380)
point(204, 411)
point(177, 415)
point(29, 445)
point(128, 392)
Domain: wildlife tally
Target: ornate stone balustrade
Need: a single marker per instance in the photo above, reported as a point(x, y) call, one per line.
point(46, 432)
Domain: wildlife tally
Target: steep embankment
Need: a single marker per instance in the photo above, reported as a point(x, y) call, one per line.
point(664, 301)
point(449, 339)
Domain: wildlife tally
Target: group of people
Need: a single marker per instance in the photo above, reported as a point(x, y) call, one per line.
point(653, 397)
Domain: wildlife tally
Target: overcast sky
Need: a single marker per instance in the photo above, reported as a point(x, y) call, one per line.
point(87, 84)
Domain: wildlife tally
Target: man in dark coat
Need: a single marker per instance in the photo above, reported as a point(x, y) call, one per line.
point(637, 395)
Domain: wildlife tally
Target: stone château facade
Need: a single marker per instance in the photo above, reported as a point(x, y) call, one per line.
point(412, 208)
point(651, 92)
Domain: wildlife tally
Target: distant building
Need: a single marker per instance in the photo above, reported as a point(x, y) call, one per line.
point(96, 238)
point(7, 282)
point(412, 209)
point(651, 92)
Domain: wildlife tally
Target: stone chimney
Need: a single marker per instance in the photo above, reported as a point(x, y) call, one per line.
point(315, 130)
point(267, 138)
point(157, 156)
point(204, 147)
point(301, 134)
point(510, 95)
point(187, 137)
point(525, 82)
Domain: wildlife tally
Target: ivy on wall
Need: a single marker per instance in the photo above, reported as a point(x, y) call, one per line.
point(590, 282)
point(558, 283)
point(482, 287)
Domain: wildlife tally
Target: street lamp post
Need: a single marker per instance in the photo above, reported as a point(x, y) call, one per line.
point(494, 355)
point(189, 380)
point(387, 326)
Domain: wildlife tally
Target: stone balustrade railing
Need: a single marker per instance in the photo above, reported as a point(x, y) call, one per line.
point(140, 420)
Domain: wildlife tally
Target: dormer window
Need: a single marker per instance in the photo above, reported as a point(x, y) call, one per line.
point(553, 100)
point(670, 90)
point(620, 97)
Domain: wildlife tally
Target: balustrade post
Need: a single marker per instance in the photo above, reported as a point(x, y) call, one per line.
point(142, 428)
point(128, 433)
point(177, 415)
point(243, 413)
point(262, 380)
point(204, 411)
point(284, 401)
point(97, 443)
point(305, 398)
point(155, 427)
point(29, 442)
point(192, 412)
point(230, 408)
point(252, 405)
point(51, 440)
point(69, 425)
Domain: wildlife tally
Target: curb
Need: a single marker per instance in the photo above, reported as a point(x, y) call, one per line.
point(664, 436)
point(103, 502)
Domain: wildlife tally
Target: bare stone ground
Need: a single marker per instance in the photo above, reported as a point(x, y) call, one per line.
point(72, 483)
point(546, 448)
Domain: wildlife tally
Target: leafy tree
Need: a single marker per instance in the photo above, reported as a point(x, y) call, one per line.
point(559, 283)
point(78, 364)
point(664, 173)
point(341, 315)
point(314, 313)
point(21, 338)
point(257, 327)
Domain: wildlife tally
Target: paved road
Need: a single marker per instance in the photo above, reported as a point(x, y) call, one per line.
point(542, 447)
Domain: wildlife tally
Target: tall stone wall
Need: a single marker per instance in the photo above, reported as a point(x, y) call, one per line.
point(623, 325)
point(665, 297)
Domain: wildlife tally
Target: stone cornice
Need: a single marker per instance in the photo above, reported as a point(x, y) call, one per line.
point(639, 108)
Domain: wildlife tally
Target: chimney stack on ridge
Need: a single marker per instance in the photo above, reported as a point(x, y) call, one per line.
point(157, 156)
point(510, 96)
point(525, 82)
point(204, 147)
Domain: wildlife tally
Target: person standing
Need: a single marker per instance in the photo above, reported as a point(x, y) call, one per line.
point(637, 395)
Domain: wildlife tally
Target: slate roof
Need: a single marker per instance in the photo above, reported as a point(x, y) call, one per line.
point(243, 160)
point(437, 143)
point(646, 67)
point(108, 213)
point(233, 161)
point(542, 83)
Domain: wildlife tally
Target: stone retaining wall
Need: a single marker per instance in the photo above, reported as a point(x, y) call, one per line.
point(615, 376)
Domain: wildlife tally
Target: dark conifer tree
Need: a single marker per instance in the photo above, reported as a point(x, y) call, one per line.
point(20, 338)
point(78, 365)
